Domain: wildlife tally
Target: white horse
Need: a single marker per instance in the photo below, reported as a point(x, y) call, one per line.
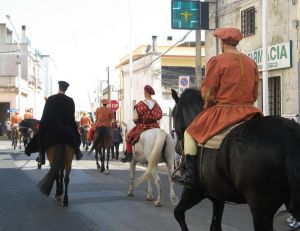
point(153, 146)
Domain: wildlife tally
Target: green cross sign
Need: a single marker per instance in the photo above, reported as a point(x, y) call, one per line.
point(189, 15)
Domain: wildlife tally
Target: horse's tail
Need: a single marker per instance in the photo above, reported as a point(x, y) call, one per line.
point(45, 185)
point(292, 167)
point(154, 156)
point(103, 138)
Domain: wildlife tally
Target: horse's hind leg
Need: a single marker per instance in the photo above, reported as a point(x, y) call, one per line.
point(158, 187)
point(107, 160)
point(189, 198)
point(149, 191)
point(131, 176)
point(102, 159)
point(59, 185)
point(68, 167)
point(96, 158)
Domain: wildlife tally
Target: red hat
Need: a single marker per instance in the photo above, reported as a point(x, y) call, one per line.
point(149, 89)
point(228, 35)
point(104, 101)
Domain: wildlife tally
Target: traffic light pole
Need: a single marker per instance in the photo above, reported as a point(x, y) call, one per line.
point(198, 64)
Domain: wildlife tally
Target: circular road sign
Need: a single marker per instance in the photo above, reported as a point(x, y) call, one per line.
point(113, 105)
point(184, 81)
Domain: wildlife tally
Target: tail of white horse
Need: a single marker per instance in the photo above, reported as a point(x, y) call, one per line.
point(154, 157)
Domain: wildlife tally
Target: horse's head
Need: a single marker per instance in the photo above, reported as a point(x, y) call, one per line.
point(187, 107)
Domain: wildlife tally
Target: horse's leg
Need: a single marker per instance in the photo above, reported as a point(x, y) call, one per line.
point(170, 166)
point(149, 191)
point(102, 159)
point(189, 198)
point(107, 160)
point(263, 212)
point(59, 185)
point(96, 157)
point(132, 175)
point(158, 187)
point(68, 166)
point(218, 208)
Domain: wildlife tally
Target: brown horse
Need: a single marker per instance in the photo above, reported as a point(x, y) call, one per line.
point(102, 141)
point(15, 136)
point(60, 158)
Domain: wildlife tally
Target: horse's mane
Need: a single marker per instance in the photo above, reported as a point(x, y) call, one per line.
point(191, 96)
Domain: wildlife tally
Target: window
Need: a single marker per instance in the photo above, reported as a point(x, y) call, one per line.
point(248, 21)
point(274, 96)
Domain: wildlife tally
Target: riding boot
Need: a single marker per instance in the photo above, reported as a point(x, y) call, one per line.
point(189, 178)
point(127, 157)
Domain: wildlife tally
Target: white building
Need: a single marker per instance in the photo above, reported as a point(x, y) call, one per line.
point(283, 40)
point(34, 75)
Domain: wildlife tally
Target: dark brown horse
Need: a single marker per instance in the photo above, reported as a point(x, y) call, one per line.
point(258, 164)
point(102, 141)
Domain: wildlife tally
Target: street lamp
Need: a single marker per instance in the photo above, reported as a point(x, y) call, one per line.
point(18, 62)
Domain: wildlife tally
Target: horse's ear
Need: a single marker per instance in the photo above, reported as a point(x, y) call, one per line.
point(175, 96)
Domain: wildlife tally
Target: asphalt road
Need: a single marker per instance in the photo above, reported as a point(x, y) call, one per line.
point(98, 201)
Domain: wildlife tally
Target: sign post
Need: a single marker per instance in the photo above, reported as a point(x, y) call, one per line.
point(184, 82)
point(113, 105)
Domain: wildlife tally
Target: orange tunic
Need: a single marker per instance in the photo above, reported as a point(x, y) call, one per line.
point(229, 90)
point(104, 117)
point(28, 115)
point(15, 119)
point(85, 120)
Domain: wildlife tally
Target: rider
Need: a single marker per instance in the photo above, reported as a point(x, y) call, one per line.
point(57, 125)
point(15, 119)
point(85, 122)
point(145, 116)
point(229, 91)
point(104, 117)
point(28, 114)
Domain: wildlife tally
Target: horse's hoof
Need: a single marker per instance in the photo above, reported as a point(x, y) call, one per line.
point(149, 199)
point(157, 204)
point(65, 204)
point(58, 198)
point(130, 194)
point(106, 172)
point(102, 170)
point(174, 200)
point(39, 166)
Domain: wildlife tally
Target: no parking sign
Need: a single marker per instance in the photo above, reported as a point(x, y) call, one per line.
point(184, 82)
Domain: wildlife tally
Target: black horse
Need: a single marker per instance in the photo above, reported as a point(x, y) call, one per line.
point(28, 128)
point(258, 164)
point(102, 141)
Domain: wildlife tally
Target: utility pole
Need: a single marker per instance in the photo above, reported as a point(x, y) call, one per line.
point(265, 57)
point(217, 25)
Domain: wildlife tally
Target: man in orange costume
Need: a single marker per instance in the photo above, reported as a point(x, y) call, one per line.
point(15, 119)
point(28, 114)
point(229, 90)
point(146, 114)
point(104, 117)
point(85, 120)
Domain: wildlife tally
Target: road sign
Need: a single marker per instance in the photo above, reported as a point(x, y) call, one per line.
point(113, 105)
point(12, 110)
point(190, 15)
point(184, 82)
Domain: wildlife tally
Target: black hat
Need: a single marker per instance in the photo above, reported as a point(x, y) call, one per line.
point(63, 85)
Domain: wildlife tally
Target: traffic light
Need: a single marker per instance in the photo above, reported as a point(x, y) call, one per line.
point(189, 15)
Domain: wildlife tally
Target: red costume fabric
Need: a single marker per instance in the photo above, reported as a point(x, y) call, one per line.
point(16, 118)
point(147, 119)
point(85, 120)
point(229, 89)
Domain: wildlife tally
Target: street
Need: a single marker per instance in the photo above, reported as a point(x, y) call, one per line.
point(97, 201)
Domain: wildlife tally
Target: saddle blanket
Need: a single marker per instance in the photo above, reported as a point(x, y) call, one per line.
point(216, 141)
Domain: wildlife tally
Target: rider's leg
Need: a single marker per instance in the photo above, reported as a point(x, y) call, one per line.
point(189, 178)
point(127, 153)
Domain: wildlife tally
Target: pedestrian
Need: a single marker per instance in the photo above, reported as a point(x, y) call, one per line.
point(8, 128)
point(116, 140)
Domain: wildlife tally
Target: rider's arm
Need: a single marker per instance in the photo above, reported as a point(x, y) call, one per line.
point(135, 116)
point(210, 84)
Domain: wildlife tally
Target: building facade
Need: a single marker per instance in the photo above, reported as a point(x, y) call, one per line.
point(283, 47)
point(33, 75)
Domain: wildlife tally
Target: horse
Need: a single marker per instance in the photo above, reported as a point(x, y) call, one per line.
point(60, 158)
point(153, 146)
point(15, 136)
point(257, 164)
point(28, 127)
point(102, 141)
point(84, 131)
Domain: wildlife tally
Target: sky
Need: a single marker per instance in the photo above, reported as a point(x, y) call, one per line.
point(84, 37)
